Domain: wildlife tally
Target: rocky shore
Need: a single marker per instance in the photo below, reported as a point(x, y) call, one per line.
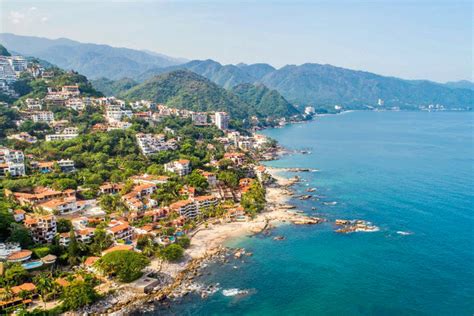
point(207, 245)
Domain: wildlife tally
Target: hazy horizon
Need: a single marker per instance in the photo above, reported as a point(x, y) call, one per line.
point(417, 40)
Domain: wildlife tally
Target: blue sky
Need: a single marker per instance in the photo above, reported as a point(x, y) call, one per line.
point(409, 39)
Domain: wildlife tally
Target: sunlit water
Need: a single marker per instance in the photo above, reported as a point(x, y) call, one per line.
point(409, 173)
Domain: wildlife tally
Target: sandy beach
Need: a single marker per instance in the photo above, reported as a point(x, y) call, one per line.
point(209, 239)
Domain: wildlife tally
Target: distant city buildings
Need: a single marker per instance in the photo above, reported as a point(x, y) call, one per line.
point(309, 110)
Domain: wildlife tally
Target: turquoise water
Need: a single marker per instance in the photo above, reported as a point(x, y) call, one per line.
point(406, 172)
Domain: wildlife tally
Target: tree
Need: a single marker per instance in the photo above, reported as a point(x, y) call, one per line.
point(229, 178)
point(100, 241)
point(73, 250)
point(44, 284)
point(198, 181)
point(21, 235)
point(126, 265)
point(253, 201)
point(184, 241)
point(65, 183)
point(173, 252)
point(78, 294)
point(16, 274)
point(6, 219)
point(63, 225)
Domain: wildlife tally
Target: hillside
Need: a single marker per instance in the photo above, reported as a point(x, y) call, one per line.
point(113, 87)
point(92, 60)
point(326, 85)
point(226, 76)
point(4, 51)
point(185, 89)
point(462, 84)
point(268, 103)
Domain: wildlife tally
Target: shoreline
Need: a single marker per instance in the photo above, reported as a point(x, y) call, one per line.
point(207, 244)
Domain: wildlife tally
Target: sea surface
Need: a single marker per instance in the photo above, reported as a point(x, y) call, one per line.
point(409, 173)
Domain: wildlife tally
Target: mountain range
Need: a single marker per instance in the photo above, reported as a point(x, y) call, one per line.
point(91, 60)
point(186, 89)
point(322, 86)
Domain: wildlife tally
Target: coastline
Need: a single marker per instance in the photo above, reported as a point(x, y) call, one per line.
point(207, 244)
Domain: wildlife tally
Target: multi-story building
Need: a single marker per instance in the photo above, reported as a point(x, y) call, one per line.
point(205, 201)
point(34, 104)
point(75, 103)
point(186, 208)
point(151, 143)
point(181, 167)
point(42, 227)
point(221, 120)
point(120, 230)
point(12, 162)
point(59, 137)
point(43, 116)
point(66, 165)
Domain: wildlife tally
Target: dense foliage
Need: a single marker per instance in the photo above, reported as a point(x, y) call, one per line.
point(267, 103)
point(126, 265)
point(111, 88)
point(185, 89)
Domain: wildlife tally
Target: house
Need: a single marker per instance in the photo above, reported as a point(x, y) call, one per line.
point(236, 158)
point(24, 137)
point(120, 230)
point(60, 206)
point(39, 195)
point(117, 248)
point(42, 227)
point(181, 167)
point(150, 179)
point(19, 215)
point(110, 188)
point(6, 249)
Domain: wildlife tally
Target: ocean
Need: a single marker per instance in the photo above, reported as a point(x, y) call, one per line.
point(409, 173)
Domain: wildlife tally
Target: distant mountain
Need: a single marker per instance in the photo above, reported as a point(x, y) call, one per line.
point(186, 89)
point(4, 51)
point(113, 87)
point(226, 76)
point(92, 60)
point(268, 103)
point(462, 84)
point(326, 85)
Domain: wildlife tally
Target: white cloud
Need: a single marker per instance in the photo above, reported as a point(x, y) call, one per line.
point(16, 17)
point(44, 19)
point(33, 8)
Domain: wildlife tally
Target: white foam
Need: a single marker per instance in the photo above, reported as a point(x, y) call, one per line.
point(400, 232)
point(234, 292)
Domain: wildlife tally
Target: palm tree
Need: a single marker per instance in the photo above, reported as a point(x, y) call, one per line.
point(7, 294)
point(45, 284)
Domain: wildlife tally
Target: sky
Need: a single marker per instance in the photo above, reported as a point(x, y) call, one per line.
point(416, 39)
